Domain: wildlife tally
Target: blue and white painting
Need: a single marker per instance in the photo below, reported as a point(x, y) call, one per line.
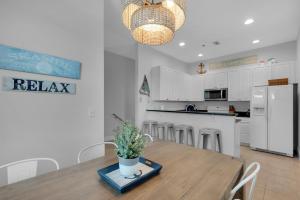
point(27, 61)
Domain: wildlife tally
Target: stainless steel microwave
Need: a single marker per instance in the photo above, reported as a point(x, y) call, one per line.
point(216, 94)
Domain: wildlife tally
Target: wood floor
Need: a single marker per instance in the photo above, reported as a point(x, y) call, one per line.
point(279, 178)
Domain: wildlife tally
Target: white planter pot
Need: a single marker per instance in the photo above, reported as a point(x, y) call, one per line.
point(128, 167)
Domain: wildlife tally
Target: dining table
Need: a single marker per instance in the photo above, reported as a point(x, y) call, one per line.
point(187, 173)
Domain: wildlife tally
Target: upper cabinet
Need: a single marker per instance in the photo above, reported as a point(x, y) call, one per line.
point(168, 84)
point(262, 74)
point(239, 85)
point(216, 80)
point(171, 85)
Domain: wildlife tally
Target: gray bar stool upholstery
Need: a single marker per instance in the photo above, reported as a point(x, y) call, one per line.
point(212, 134)
point(150, 127)
point(185, 134)
point(166, 131)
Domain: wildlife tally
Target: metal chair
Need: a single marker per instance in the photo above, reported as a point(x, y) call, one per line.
point(166, 131)
point(212, 134)
point(100, 144)
point(185, 134)
point(90, 147)
point(150, 127)
point(245, 179)
point(24, 169)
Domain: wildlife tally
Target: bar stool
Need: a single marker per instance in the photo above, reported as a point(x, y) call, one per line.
point(166, 131)
point(185, 134)
point(212, 134)
point(150, 127)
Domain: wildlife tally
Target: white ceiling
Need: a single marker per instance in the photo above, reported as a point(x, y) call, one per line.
point(276, 21)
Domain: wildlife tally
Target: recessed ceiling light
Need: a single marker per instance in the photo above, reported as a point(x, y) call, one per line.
point(249, 21)
point(200, 54)
point(255, 41)
point(182, 44)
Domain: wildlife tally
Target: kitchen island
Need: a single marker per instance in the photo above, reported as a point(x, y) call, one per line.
point(226, 122)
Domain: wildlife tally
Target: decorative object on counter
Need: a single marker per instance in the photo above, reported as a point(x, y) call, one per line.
point(30, 85)
point(16, 59)
point(201, 68)
point(131, 143)
point(282, 81)
point(234, 62)
point(231, 109)
point(190, 108)
point(145, 89)
point(152, 22)
point(272, 61)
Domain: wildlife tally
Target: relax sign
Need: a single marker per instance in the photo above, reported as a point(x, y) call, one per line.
point(29, 85)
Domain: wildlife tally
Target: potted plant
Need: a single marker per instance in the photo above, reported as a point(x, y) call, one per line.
point(130, 145)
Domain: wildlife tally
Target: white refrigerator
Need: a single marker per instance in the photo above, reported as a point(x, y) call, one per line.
point(273, 124)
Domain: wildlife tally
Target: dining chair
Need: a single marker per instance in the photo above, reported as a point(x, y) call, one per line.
point(85, 149)
point(24, 169)
point(100, 144)
point(245, 179)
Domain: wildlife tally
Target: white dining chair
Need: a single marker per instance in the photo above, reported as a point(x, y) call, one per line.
point(100, 144)
point(85, 149)
point(24, 169)
point(245, 179)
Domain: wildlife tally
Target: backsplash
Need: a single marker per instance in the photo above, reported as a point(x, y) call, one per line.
point(167, 105)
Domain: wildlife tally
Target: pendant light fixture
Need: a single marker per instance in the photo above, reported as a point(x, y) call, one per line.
point(152, 22)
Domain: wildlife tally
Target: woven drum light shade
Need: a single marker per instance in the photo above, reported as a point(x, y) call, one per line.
point(129, 7)
point(153, 25)
point(177, 7)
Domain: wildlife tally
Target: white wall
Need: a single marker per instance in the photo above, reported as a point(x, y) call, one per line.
point(146, 59)
point(282, 52)
point(119, 91)
point(52, 125)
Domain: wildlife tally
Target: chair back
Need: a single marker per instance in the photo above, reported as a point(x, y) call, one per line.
point(24, 169)
point(245, 179)
point(88, 148)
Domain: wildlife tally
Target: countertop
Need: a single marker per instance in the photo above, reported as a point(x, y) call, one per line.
point(194, 112)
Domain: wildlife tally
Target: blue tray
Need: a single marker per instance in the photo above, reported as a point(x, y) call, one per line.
point(105, 175)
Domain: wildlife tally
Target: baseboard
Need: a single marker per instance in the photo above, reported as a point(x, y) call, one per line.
point(109, 138)
point(298, 153)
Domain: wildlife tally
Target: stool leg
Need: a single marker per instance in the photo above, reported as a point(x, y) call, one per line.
point(177, 136)
point(204, 142)
point(213, 142)
point(185, 135)
point(219, 142)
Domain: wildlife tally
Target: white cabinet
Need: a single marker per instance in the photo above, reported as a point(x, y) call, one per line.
point(283, 70)
point(244, 130)
point(239, 85)
point(216, 80)
point(195, 89)
point(261, 75)
point(171, 85)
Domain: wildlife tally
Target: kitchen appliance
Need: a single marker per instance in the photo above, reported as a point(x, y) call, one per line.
point(216, 94)
point(191, 108)
point(273, 122)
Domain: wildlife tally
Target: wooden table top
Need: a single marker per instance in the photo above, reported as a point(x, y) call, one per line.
point(187, 173)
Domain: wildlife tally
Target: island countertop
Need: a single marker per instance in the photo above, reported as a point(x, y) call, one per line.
point(194, 112)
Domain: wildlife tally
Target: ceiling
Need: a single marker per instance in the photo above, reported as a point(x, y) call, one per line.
point(276, 21)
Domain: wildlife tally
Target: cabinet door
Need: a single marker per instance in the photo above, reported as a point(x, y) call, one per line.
point(233, 85)
point(244, 131)
point(221, 80)
point(261, 75)
point(196, 89)
point(245, 85)
point(209, 81)
point(283, 70)
point(165, 79)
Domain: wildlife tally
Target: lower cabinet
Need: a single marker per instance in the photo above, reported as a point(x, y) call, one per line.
point(244, 131)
